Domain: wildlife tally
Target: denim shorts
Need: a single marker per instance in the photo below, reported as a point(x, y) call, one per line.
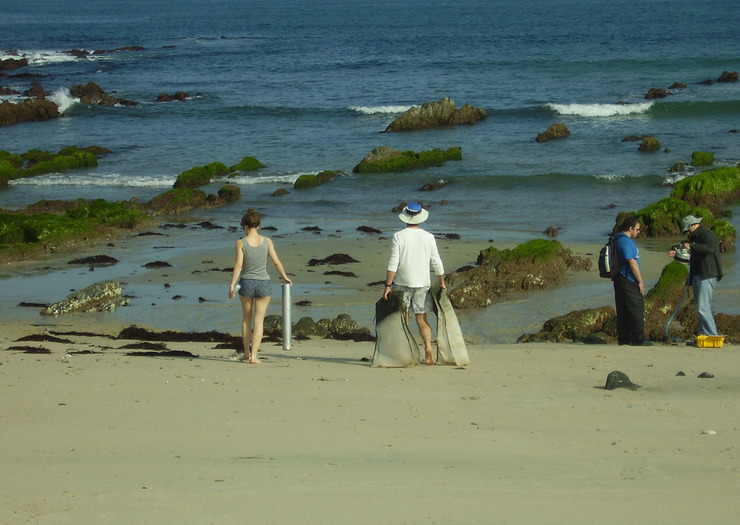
point(416, 300)
point(255, 288)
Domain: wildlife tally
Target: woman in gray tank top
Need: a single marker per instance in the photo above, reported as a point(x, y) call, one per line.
point(251, 280)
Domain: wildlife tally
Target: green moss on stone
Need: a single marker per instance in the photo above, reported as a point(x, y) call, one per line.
point(107, 213)
point(410, 160)
point(537, 249)
point(77, 159)
point(702, 158)
point(247, 164)
point(306, 181)
point(649, 144)
point(720, 185)
point(43, 227)
point(8, 172)
point(178, 200)
point(672, 278)
point(200, 175)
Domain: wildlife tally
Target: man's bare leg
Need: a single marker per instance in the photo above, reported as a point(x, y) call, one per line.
point(426, 335)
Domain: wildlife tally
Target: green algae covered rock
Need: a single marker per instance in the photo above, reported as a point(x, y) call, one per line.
point(534, 265)
point(388, 160)
point(39, 162)
point(73, 160)
point(178, 200)
point(247, 164)
point(710, 189)
point(230, 193)
point(702, 158)
point(649, 144)
point(310, 181)
point(8, 172)
point(107, 213)
point(25, 234)
point(200, 175)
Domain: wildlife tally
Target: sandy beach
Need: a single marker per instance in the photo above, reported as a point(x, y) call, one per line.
point(525, 434)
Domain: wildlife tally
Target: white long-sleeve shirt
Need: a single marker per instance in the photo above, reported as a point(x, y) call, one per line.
point(413, 252)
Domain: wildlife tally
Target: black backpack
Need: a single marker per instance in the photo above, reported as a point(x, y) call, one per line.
point(608, 260)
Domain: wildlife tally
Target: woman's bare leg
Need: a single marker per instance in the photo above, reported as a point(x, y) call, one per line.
point(247, 311)
point(260, 309)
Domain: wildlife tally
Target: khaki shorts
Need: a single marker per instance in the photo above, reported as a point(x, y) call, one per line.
point(416, 300)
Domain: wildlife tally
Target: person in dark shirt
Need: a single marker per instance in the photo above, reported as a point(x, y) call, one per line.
point(705, 270)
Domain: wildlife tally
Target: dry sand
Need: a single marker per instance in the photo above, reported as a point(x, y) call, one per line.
point(525, 434)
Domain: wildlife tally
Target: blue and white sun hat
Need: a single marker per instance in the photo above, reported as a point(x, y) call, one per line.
point(413, 214)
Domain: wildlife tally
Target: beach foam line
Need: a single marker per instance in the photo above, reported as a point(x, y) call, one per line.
point(38, 57)
point(104, 180)
point(375, 110)
point(600, 110)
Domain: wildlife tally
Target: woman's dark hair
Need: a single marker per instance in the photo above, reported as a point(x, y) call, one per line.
point(251, 219)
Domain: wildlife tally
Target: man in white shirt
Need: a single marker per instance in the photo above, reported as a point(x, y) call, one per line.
point(413, 251)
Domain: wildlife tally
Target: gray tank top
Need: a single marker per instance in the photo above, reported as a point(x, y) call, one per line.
point(255, 261)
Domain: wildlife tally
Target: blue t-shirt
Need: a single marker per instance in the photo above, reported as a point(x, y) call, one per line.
point(626, 250)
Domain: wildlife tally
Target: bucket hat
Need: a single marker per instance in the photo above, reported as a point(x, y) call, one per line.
point(413, 214)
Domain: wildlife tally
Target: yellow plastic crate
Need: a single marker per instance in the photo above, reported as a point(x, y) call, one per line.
point(710, 341)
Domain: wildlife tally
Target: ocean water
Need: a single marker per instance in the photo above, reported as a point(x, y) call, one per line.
point(308, 86)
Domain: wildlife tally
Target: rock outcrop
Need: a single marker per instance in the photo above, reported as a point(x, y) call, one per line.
point(29, 110)
point(534, 265)
point(556, 131)
point(436, 114)
point(99, 297)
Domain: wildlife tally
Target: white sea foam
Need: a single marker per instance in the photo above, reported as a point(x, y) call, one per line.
point(86, 180)
point(600, 110)
point(279, 178)
point(375, 110)
point(37, 58)
point(62, 98)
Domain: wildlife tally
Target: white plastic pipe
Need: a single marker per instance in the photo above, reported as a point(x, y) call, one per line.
point(287, 326)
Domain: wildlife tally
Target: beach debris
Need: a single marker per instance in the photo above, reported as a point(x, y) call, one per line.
point(43, 338)
point(617, 379)
point(705, 375)
point(709, 432)
point(98, 297)
point(145, 345)
point(157, 264)
point(338, 272)
point(681, 374)
point(26, 304)
point(168, 353)
point(30, 349)
point(337, 258)
point(95, 260)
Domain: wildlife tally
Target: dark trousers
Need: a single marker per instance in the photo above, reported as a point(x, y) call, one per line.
point(630, 306)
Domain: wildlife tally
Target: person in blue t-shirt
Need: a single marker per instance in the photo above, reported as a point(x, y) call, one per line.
point(629, 287)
